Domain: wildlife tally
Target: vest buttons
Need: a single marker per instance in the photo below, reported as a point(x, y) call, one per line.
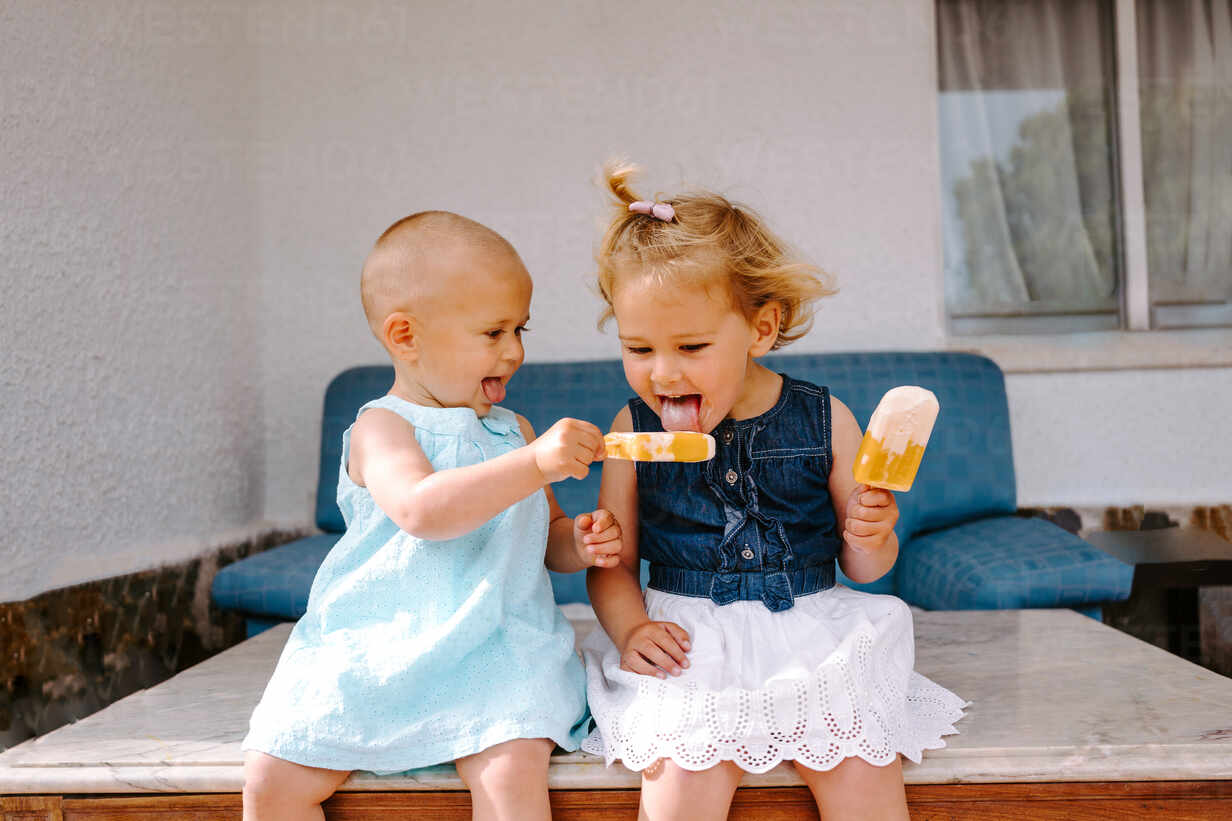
point(727, 437)
point(732, 477)
point(747, 553)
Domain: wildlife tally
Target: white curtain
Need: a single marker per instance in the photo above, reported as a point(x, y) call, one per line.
point(1025, 115)
point(1185, 83)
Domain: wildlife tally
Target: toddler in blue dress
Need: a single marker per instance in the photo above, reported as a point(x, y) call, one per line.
point(431, 633)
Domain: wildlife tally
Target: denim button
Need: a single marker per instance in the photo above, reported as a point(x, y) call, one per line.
point(747, 553)
point(732, 477)
point(727, 437)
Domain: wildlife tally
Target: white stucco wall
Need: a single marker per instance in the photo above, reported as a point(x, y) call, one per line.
point(505, 116)
point(130, 396)
point(822, 116)
point(1091, 439)
point(188, 192)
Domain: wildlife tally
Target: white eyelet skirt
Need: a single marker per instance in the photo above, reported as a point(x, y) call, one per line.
point(829, 678)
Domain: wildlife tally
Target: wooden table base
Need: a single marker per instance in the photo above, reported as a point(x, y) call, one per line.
point(1075, 801)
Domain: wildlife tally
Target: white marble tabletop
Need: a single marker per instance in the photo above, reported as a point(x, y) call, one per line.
point(1055, 696)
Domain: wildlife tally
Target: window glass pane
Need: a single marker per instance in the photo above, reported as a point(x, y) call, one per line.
point(1028, 185)
point(1185, 94)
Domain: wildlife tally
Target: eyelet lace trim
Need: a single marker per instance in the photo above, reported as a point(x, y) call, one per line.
point(842, 709)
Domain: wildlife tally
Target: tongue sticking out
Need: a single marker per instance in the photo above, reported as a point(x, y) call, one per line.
point(681, 413)
point(494, 389)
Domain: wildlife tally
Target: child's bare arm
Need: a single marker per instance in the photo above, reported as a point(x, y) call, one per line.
point(445, 504)
point(646, 647)
point(573, 545)
point(866, 515)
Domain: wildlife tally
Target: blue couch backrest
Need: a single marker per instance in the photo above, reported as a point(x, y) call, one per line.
point(346, 394)
point(967, 472)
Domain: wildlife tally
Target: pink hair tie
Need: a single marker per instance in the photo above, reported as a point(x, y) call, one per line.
point(658, 210)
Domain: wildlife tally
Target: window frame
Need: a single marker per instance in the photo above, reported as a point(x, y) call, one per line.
point(1136, 299)
point(1127, 347)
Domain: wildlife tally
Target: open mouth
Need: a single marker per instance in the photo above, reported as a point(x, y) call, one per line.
point(494, 389)
point(681, 412)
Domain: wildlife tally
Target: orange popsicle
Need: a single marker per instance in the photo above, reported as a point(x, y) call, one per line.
point(676, 446)
point(894, 443)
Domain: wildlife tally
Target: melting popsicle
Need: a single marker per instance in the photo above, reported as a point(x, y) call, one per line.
point(894, 443)
point(676, 446)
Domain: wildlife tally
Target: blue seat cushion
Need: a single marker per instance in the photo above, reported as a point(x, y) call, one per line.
point(275, 583)
point(254, 625)
point(883, 585)
point(1007, 562)
point(968, 470)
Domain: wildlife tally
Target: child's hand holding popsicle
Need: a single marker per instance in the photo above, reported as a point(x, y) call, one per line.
point(567, 449)
point(888, 460)
point(871, 514)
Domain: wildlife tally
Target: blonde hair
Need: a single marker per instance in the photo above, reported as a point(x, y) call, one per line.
point(722, 240)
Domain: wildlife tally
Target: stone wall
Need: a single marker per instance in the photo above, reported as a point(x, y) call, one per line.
point(70, 652)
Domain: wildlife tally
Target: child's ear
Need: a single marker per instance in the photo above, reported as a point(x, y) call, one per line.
point(765, 327)
point(398, 334)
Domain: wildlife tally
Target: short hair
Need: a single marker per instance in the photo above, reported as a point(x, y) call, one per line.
point(395, 253)
point(725, 240)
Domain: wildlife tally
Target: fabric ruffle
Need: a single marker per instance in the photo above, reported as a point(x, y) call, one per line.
point(827, 679)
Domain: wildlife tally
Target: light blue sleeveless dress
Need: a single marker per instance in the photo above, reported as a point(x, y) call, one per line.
point(415, 652)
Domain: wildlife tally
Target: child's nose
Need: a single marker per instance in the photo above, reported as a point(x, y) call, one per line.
point(665, 372)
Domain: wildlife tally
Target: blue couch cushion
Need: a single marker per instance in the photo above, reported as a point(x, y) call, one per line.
point(968, 468)
point(886, 584)
point(593, 391)
point(967, 471)
point(274, 583)
point(1007, 562)
point(345, 395)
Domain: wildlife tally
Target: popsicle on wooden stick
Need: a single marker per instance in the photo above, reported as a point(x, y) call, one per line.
point(675, 446)
point(894, 443)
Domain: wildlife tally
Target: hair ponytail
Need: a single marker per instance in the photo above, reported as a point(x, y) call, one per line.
point(616, 176)
point(722, 240)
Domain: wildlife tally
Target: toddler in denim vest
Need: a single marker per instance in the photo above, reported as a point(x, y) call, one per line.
point(431, 633)
point(743, 652)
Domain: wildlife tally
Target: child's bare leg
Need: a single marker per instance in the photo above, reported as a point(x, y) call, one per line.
point(670, 791)
point(278, 790)
point(856, 789)
point(509, 781)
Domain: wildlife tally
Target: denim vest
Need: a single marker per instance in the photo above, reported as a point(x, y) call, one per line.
point(755, 523)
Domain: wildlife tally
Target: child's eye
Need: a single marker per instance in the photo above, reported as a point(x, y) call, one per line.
point(694, 348)
point(638, 350)
point(521, 329)
point(495, 333)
